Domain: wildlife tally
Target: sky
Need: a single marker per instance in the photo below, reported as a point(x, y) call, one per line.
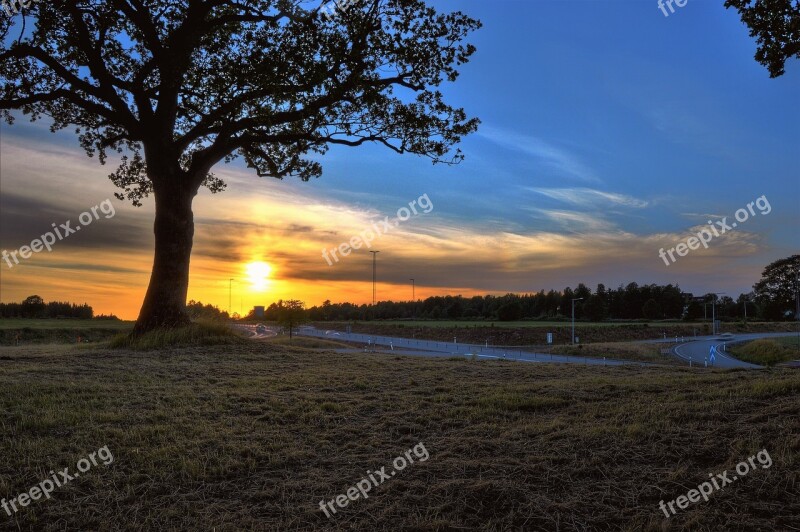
point(609, 132)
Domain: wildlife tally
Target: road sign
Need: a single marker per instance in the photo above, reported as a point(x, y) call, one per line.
point(549, 338)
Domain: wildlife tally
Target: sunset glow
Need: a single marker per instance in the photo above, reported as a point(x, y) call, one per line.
point(258, 275)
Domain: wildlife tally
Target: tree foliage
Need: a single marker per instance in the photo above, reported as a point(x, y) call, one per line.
point(199, 311)
point(776, 26)
point(777, 290)
point(183, 85)
point(177, 86)
point(289, 314)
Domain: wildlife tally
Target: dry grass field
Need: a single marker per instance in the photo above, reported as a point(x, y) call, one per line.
point(254, 436)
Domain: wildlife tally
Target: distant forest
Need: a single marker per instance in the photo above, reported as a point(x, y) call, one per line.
point(35, 307)
point(776, 296)
point(632, 302)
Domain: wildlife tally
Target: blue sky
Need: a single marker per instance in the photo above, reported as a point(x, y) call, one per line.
point(670, 117)
point(608, 132)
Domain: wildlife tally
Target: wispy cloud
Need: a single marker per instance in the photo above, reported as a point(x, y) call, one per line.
point(568, 164)
point(575, 222)
point(701, 215)
point(589, 197)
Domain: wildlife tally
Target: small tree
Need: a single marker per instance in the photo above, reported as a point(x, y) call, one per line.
point(291, 314)
point(33, 307)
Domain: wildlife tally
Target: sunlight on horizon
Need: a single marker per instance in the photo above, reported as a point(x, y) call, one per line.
point(258, 273)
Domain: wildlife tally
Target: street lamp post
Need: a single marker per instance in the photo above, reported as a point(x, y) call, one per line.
point(714, 312)
point(230, 295)
point(714, 315)
point(374, 275)
point(573, 317)
point(413, 299)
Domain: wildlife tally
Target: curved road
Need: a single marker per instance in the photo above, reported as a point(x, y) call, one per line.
point(433, 348)
point(698, 350)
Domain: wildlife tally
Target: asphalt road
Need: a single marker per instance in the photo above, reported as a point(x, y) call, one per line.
point(698, 350)
point(432, 348)
point(695, 350)
point(256, 334)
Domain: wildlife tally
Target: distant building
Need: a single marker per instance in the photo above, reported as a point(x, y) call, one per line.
point(258, 311)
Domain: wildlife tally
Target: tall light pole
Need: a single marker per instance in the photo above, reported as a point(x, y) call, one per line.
point(714, 312)
point(573, 317)
point(374, 274)
point(744, 296)
point(230, 294)
point(714, 315)
point(413, 299)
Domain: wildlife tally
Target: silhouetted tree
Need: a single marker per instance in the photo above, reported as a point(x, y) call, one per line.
point(291, 313)
point(777, 290)
point(178, 86)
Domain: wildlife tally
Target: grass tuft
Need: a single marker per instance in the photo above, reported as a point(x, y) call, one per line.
point(197, 334)
point(768, 351)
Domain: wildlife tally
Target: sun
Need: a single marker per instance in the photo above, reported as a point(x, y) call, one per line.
point(258, 275)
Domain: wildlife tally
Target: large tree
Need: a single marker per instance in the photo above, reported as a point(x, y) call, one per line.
point(177, 86)
point(776, 26)
point(777, 291)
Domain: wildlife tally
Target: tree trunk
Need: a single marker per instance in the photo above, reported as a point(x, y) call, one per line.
point(165, 302)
